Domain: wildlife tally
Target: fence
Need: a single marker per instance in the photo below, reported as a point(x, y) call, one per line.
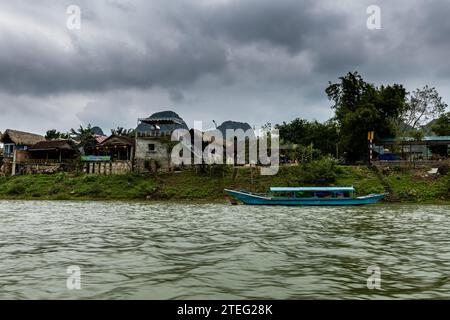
point(411, 163)
point(108, 168)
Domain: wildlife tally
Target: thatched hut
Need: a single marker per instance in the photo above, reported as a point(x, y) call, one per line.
point(18, 140)
point(15, 149)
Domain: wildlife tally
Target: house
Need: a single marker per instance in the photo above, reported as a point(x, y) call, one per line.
point(153, 140)
point(51, 156)
point(119, 148)
point(1, 152)
point(427, 148)
point(15, 149)
point(114, 155)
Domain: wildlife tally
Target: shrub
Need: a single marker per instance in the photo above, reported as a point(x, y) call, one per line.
point(60, 177)
point(54, 189)
point(15, 188)
point(145, 189)
point(152, 165)
point(323, 171)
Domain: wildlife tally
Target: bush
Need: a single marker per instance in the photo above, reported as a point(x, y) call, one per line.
point(60, 177)
point(54, 189)
point(15, 188)
point(323, 171)
point(152, 165)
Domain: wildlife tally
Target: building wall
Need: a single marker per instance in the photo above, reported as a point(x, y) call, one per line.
point(21, 155)
point(6, 167)
point(160, 153)
point(40, 168)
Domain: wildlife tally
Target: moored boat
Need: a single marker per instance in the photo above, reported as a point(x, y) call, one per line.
point(305, 196)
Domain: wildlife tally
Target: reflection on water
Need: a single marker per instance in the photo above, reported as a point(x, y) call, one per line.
point(180, 251)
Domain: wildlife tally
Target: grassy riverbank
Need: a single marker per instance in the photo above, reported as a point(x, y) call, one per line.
point(407, 185)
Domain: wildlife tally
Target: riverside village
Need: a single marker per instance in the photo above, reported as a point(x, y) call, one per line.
point(404, 154)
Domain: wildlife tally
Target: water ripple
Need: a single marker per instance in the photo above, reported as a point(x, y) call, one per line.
point(212, 251)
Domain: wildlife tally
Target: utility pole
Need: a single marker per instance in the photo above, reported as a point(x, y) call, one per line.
point(370, 135)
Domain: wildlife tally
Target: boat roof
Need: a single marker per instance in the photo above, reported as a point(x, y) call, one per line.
point(291, 189)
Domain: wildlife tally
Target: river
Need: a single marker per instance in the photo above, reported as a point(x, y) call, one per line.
point(212, 251)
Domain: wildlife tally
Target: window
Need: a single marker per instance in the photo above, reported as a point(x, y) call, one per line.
point(151, 147)
point(8, 150)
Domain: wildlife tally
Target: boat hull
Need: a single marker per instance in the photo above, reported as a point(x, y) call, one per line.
point(255, 199)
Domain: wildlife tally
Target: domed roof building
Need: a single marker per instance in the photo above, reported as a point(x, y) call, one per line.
point(153, 136)
point(163, 122)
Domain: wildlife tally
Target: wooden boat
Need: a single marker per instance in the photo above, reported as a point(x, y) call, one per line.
point(305, 196)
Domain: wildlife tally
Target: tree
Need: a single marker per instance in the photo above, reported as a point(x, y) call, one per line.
point(323, 136)
point(120, 131)
point(361, 107)
point(422, 106)
point(53, 134)
point(85, 136)
point(441, 127)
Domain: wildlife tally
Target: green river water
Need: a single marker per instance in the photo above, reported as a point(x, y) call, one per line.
point(214, 251)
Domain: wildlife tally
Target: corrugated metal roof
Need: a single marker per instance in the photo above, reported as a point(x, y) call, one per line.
point(427, 138)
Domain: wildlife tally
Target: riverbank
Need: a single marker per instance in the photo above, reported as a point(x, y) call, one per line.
point(404, 185)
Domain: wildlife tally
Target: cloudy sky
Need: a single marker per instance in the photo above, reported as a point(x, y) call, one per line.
point(247, 60)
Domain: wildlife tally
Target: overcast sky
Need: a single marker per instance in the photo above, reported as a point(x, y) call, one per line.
point(247, 60)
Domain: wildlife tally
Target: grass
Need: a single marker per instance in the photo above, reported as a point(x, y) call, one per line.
point(189, 185)
point(415, 186)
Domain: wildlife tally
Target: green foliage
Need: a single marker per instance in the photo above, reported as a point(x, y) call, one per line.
point(54, 134)
point(85, 136)
point(323, 136)
point(361, 107)
point(120, 131)
point(422, 106)
point(188, 185)
point(441, 126)
point(152, 165)
point(416, 134)
point(319, 172)
point(408, 187)
point(15, 188)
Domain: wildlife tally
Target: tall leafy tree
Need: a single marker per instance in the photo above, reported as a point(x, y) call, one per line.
point(441, 126)
point(423, 105)
point(361, 107)
point(322, 136)
point(85, 136)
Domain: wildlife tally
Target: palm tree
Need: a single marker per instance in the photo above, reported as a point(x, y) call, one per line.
point(120, 131)
point(85, 136)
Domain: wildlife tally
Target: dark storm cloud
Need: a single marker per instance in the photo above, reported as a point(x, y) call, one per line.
point(218, 59)
point(289, 23)
point(37, 68)
point(195, 43)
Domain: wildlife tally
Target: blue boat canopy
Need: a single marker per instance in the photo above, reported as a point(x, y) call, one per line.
point(294, 189)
